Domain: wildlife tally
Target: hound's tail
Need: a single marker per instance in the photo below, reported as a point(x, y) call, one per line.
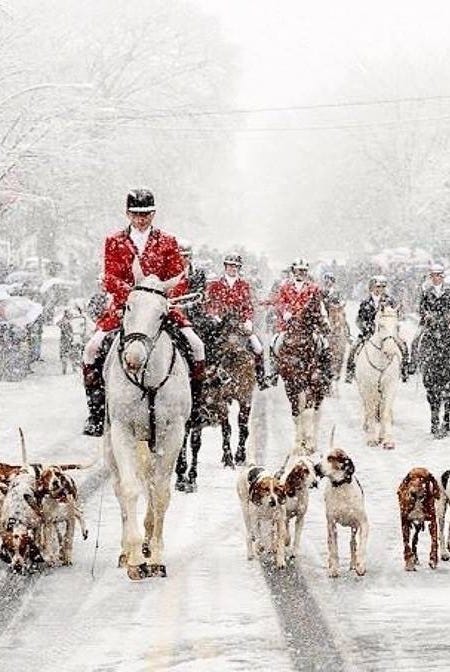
point(83, 465)
point(22, 447)
point(333, 431)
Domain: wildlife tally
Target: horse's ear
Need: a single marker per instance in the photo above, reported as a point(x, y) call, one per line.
point(173, 282)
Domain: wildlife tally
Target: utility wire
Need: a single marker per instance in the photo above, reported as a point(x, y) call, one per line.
point(276, 129)
point(293, 108)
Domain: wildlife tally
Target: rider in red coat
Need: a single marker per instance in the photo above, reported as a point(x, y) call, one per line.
point(294, 297)
point(232, 294)
point(130, 255)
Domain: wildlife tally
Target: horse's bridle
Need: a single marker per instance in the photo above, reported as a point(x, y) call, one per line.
point(149, 345)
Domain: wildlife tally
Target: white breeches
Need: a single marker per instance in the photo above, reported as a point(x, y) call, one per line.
point(256, 344)
point(197, 347)
point(92, 347)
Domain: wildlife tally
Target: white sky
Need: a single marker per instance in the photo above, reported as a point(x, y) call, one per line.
point(296, 52)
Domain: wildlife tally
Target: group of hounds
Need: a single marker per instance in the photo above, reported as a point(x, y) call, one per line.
point(38, 510)
point(272, 502)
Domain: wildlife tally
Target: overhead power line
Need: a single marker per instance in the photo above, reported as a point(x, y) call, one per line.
point(275, 129)
point(293, 108)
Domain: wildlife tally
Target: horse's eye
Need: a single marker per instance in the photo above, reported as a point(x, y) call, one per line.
point(128, 308)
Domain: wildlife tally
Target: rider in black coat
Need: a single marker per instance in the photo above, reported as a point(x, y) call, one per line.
point(365, 322)
point(434, 309)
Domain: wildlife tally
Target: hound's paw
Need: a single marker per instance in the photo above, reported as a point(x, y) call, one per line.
point(433, 563)
point(281, 565)
point(333, 573)
point(360, 570)
point(445, 555)
point(410, 566)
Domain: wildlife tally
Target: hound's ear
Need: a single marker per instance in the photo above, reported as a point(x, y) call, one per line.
point(30, 500)
point(280, 492)
point(349, 466)
point(433, 487)
point(255, 494)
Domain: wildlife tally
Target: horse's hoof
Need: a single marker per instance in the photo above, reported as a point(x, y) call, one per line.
point(227, 460)
point(180, 485)
point(157, 570)
point(239, 458)
point(122, 561)
point(138, 572)
point(388, 445)
point(146, 549)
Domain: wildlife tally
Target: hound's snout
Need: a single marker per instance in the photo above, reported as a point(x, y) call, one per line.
point(318, 471)
point(272, 501)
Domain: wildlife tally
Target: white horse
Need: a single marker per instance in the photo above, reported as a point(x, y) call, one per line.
point(148, 403)
point(377, 375)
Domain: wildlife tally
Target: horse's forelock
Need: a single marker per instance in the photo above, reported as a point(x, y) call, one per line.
point(152, 282)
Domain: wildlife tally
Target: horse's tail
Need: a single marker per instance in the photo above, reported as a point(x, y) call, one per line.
point(22, 447)
point(332, 433)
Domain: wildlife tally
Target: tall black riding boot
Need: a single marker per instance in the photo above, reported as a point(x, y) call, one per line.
point(263, 384)
point(351, 366)
point(197, 379)
point(95, 397)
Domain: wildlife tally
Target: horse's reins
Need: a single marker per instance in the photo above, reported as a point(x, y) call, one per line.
point(380, 370)
point(149, 345)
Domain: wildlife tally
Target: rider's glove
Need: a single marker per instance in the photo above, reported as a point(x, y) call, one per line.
point(247, 327)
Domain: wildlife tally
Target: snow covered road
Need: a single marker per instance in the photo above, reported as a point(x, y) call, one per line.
point(214, 611)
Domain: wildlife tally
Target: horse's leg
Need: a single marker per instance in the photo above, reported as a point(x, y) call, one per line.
point(111, 464)
point(243, 417)
point(370, 404)
point(433, 398)
point(196, 443)
point(227, 457)
point(386, 403)
point(305, 431)
point(445, 427)
point(125, 455)
point(181, 466)
point(158, 484)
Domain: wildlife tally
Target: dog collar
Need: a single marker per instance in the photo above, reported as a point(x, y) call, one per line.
point(337, 484)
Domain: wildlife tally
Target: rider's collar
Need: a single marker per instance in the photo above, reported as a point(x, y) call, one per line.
point(230, 280)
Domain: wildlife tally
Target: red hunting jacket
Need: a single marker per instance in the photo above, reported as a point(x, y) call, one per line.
point(161, 257)
point(292, 300)
point(221, 298)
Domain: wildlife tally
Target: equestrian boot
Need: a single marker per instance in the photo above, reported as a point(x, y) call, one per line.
point(95, 396)
point(350, 370)
point(197, 380)
point(263, 384)
point(404, 369)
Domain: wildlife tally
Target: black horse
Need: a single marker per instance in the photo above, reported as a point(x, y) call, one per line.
point(230, 376)
point(434, 357)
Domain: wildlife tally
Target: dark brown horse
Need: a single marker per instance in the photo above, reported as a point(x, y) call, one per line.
point(304, 364)
point(230, 377)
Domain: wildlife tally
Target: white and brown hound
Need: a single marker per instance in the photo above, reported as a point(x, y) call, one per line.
point(344, 505)
point(262, 500)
